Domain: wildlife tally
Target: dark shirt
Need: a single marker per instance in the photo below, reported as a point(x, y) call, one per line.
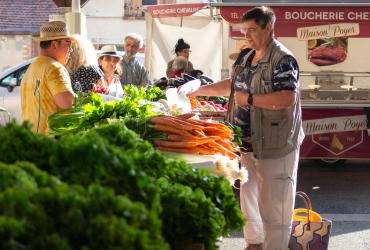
point(85, 77)
point(241, 55)
point(285, 77)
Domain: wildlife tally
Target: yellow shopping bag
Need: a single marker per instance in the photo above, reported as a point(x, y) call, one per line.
point(309, 230)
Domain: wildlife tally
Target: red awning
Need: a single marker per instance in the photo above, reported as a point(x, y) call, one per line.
point(174, 10)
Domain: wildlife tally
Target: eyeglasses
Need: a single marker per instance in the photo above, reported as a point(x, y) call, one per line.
point(67, 42)
point(110, 59)
point(186, 51)
point(249, 31)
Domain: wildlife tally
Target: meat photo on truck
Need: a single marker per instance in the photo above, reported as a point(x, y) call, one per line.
point(325, 52)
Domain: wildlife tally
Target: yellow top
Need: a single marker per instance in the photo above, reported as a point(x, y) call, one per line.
point(54, 79)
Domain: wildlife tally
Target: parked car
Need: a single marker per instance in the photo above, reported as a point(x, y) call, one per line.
point(10, 91)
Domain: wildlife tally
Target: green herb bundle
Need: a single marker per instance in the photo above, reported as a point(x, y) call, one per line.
point(89, 110)
point(114, 156)
point(83, 160)
point(40, 212)
point(226, 216)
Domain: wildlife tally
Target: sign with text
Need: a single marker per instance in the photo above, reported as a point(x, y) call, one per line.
point(335, 133)
point(335, 124)
point(175, 10)
point(291, 18)
point(326, 31)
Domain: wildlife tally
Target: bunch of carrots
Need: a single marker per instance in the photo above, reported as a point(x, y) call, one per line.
point(193, 102)
point(185, 135)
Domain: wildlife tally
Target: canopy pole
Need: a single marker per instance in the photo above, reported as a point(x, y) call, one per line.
point(225, 50)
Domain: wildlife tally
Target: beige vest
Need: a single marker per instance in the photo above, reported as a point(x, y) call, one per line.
point(274, 133)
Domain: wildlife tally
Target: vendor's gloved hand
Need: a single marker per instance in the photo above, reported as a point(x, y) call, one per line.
point(189, 88)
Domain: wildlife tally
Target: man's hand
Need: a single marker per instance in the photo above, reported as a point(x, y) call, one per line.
point(64, 100)
point(241, 98)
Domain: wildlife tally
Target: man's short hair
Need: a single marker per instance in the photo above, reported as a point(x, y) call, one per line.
point(261, 15)
point(139, 39)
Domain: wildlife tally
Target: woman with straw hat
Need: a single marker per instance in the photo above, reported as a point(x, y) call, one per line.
point(109, 63)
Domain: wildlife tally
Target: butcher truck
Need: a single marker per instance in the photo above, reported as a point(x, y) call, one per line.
point(331, 42)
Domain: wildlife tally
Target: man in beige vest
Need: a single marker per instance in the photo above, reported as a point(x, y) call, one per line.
point(266, 91)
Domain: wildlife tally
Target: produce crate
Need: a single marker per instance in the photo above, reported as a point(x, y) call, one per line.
point(214, 115)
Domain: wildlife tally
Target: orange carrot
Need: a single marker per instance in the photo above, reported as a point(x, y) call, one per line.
point(199, 133)
point(212, 124)
point(162, 120)
point(179, 150)
point(197, 150)
point(204, 140)
point(226, 145)
point(218, 148)
point(193, 102)
point(205, 151)
point(224, 151)
point(233, 156)
point(222, 135)
point(196, 140)
point(174, 122)
point(196, 122)
point(172, 137)
point(212, 129)
point(186, 116)
point(174, 144)
point(185, 122)
point(168, 129)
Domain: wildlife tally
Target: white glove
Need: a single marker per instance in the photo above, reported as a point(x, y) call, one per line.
point(189, 87)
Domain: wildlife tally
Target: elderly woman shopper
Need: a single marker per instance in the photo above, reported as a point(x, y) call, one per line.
point(82, 65)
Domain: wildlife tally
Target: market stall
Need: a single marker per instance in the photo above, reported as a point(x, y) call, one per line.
point(195, 23)
point(330, 42)
point(123, 173)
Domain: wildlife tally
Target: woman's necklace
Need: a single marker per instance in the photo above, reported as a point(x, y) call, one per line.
point(109, 79)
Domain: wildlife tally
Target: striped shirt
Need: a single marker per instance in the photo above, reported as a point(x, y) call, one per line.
point(133, 72)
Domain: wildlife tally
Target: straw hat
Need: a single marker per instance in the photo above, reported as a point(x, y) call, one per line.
point(53, 31)
point(109, 50)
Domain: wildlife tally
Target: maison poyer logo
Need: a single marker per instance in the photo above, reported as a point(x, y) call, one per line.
point(335, 124)
point(337, 135)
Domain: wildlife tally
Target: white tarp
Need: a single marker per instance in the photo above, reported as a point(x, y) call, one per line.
point(203, 33)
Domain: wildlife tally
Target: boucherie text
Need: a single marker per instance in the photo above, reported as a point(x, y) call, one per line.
point(326, 15)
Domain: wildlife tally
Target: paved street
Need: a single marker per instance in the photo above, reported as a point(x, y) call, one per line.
point(342, 195)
